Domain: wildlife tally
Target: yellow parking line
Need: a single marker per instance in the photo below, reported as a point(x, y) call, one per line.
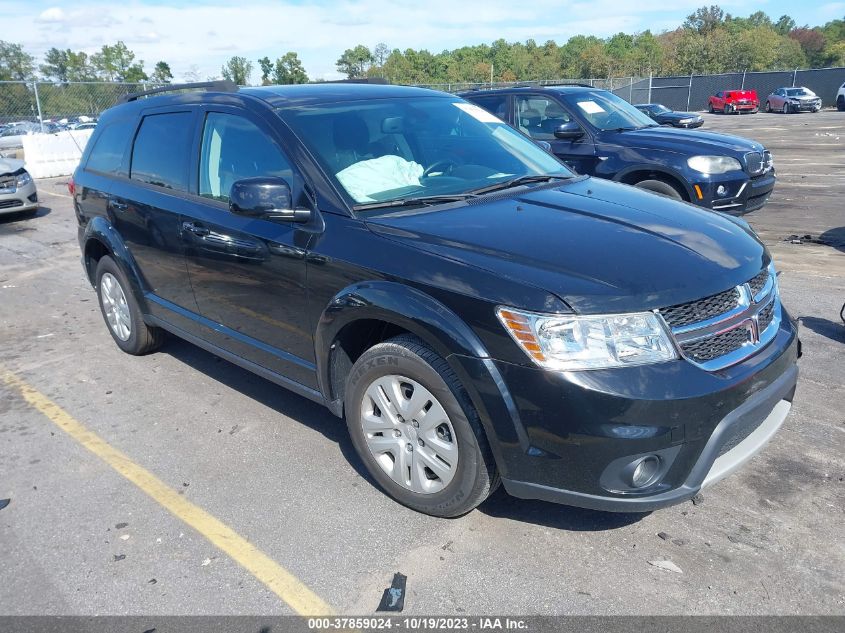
point(275, 577)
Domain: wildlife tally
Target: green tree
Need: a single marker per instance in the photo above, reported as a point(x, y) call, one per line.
point(162, 73)
point(237, 69)
point(117, 63)
point(705, 19)
point(55, 66)
point(289, 70)
point(266, 67)
point(354, 62)
point(15, 63)
point(785, 25)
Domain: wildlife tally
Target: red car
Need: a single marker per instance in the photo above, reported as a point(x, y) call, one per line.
point(735, 101)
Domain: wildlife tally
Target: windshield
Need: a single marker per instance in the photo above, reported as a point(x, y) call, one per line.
point(408, 148)
point(799, 92)
point(605, 111)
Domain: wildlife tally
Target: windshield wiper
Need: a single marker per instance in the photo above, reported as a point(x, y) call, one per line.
point(409, 202)
point(515, 182)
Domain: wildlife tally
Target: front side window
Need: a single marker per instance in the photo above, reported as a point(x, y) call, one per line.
point(605, 111)
point(161, 153)
point(496, 104)
point(410, 147)
point(539, 116)
point(234, 148)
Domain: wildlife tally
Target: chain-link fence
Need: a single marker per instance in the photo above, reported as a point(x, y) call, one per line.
point(49, 102)
point(46, 102)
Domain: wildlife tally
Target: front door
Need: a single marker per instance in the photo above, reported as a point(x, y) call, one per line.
point(248, 274)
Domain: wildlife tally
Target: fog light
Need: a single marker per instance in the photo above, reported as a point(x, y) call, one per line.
point(721, 190)
point(645, 471)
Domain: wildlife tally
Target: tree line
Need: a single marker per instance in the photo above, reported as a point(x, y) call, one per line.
point(709, 41)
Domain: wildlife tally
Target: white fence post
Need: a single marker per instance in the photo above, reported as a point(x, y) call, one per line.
point(689, 92)
point(650, 75)
point(38, 105)
point(743, 79)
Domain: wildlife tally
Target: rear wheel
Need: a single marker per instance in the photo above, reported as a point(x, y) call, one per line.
point(727, 109)
point(121, 311)
point(416, 430)
point(840, 103)
point(660, 187)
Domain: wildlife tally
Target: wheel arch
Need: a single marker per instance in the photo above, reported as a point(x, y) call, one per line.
point(636, 173)
point(100, 238)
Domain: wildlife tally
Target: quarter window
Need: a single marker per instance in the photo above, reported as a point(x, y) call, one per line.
point(107, 153)
point(162, 150)
point(234, 148)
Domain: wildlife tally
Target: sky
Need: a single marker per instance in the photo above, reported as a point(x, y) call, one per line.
point(199, 36)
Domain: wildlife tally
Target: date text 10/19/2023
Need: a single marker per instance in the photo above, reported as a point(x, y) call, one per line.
point(417, 623)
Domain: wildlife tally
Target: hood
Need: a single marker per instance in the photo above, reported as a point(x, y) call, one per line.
point(687, 142)
point(10, 165)
point(598, 245)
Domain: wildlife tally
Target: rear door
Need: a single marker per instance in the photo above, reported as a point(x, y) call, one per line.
point(248, 274)
point(146, 210)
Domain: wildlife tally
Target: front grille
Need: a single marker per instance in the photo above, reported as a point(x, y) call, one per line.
point(713, 347)
point(8, 204)
point(766, 316)
point(754, 162)
point(740, 430)
point(701, 310)
point(759, 282)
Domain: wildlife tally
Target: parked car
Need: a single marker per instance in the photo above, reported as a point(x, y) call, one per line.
point(734, 102)
point(596, 132)
point(475, 310)
point(840, 98)
point(788, 100)
point(17, 189)
point(85, 126)
point(664, 116)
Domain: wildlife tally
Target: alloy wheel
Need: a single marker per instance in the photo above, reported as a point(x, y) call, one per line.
point(115, 307)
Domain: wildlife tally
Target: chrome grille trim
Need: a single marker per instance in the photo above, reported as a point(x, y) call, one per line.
point(731, 337)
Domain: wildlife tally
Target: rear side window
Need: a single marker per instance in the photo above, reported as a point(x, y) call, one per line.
point(110, 146)
point(497, 104)
point(162, 150)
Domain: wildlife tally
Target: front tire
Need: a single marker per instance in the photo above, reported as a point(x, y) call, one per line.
point(660, 187)
point(840, 103)
point(785, 109)
point(416, 430)
point(121, 311)
point(768, 107)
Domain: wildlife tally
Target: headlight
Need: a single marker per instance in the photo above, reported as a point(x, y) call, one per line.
point(687, 120)
point(714, 164)
point(570, 342)
point(23, 179)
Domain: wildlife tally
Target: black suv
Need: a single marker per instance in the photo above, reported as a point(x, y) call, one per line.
point(600, 134)
point(476, 312)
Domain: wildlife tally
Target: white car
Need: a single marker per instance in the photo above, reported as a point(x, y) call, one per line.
point(17, 189)
point(840, 99)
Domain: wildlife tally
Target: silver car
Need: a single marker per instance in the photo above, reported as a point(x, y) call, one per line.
point(17, 189)
point(788, 100)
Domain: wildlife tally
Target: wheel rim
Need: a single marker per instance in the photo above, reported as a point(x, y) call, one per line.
point(786, 108)
point(409, 434)
point(115, 307)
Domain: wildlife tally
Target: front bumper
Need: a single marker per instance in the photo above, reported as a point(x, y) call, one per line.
point(805, 106)
point(21, 199)
point(565, 437)
point(742, 193)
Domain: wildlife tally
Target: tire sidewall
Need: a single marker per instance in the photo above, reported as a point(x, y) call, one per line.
point(387, 359)
point(133, 343)
point(657, 187)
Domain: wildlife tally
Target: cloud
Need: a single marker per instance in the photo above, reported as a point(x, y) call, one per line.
point(53, 14)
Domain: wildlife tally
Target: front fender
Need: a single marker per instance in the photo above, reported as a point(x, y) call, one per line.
point(440, 328)
point(657, 168)
point(100, 230)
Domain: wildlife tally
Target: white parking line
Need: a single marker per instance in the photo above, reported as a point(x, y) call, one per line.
point(60, 195)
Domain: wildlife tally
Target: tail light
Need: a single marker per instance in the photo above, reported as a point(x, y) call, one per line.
point(71, 186)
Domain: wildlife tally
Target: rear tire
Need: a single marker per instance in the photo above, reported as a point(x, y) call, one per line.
point(660, 187)
point(726, 110)
point(443, 467)
point(121, 311)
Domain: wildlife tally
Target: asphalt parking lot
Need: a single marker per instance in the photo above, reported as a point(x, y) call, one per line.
point(230, 451)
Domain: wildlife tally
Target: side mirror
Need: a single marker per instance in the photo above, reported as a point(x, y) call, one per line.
point(569, 131)
point(545, 145)
point(266, 198)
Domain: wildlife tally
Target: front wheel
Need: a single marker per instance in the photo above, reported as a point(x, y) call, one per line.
point(727, 109)
point(711, 108)
point(768, 107)
point(785, 109)
point(840, 103)
point(416, 430)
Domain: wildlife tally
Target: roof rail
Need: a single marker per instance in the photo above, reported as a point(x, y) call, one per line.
point(223, 85)
point(567, 83)
point(360, 80)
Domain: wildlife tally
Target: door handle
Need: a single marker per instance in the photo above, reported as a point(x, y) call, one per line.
point(196, 229)
point(118, 206)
